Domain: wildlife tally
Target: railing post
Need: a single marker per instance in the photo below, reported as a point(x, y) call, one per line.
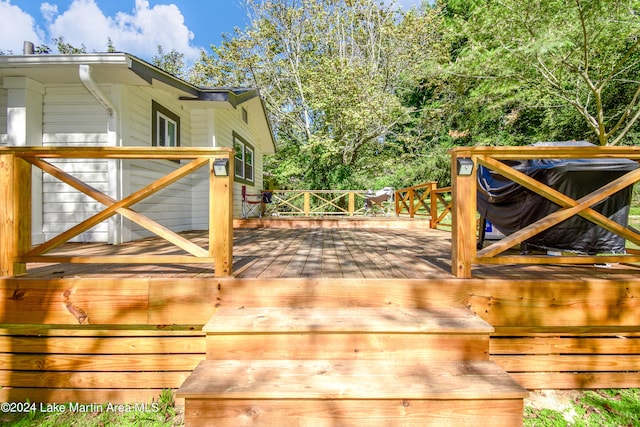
point(15, 214)
point(221, 218)
point(352, 203)
point(463, 236)
point(433, 205)
point(307, 203)
point(411, 197)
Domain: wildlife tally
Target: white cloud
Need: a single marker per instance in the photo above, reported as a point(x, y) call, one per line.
point(17, 27)
point(139, 32)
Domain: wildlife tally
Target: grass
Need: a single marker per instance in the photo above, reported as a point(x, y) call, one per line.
point(592, 408)
point(157, 413)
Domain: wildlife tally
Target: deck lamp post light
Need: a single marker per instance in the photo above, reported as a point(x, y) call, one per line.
point(465, 166)
point(221, 167)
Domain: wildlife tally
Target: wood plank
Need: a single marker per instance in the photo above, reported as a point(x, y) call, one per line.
point(330, 260)
point(116, 363)
point(102, 345)
point(564, 345)
point(281, 260)
point(348, 265)
point(94, 331)
point(353, 413)
point(336, 379)
point(552, 303)
point(612, 331)
point(164, 153)
point(346, 320)
point(96, 380)
point(174, 301)
point(577, 380)
point(327, 292)
point(298, 260)
point(348, 346)
point(568, 363)
point(99, 301)
point(83, 395)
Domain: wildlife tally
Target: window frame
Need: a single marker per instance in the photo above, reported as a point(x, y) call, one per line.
point(241, 163)
point(161, 114)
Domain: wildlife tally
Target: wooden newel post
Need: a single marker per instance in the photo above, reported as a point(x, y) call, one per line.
point(463, 236)
point(15, 213)
point(221, 214)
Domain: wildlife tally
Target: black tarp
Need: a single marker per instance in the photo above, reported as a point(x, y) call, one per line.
point(511, 207)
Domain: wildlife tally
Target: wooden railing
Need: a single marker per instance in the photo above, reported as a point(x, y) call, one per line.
point(426, 200)
point(464, 251)
point(15, 197)
point(316, 203)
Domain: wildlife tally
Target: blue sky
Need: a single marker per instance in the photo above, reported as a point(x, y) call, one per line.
point(134, 26)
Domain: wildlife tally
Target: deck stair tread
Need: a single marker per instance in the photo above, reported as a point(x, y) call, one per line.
point(349, 379)
point(272, 320)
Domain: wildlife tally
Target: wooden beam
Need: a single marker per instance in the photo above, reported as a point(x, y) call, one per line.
point(221, 219)
point(15, 215)
point(463, 232)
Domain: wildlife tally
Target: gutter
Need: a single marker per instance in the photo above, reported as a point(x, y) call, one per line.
point(86, 78)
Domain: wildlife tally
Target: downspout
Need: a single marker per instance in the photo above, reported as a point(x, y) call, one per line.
point(115, 167)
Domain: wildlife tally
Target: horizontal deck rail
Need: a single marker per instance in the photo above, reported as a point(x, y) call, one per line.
point(464, 250)
point(15, 219)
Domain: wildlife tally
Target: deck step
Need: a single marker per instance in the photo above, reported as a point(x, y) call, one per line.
point(350, 393)
point(347, 333)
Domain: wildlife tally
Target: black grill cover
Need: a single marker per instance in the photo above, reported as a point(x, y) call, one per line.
point(511, 207)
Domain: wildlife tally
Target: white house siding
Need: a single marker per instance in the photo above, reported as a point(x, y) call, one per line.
point(170, 207)
point(228, 122)
point(71, 116)
point(203, 134)
point(3, 116)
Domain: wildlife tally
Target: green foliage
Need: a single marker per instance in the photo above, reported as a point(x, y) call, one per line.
point(67, 48)
point(582, 53)
point(172, 62)
point(329, 71)
point(607, 407)
point(157, 413)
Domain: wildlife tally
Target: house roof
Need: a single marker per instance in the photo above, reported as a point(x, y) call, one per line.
point(127, 69)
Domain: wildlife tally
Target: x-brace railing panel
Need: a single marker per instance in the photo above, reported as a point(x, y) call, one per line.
point(464, 252)
point(569, 207)
point(15, 169)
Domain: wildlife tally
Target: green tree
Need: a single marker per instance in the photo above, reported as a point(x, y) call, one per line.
point(172, 62)
point(65, 48)
point(330, 72)
point(579, 53)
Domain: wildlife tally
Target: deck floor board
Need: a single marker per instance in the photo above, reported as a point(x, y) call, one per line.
point(315, 252)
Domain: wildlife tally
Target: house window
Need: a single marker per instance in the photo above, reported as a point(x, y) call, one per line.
point(245, 115)
point(244, 159)
point(165, 127)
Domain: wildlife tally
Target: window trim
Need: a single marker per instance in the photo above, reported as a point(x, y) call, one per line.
point(240, 173)
point(158, 111)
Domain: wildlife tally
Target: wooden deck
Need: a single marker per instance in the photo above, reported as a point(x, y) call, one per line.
point(556, 326)
point(328, 249)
